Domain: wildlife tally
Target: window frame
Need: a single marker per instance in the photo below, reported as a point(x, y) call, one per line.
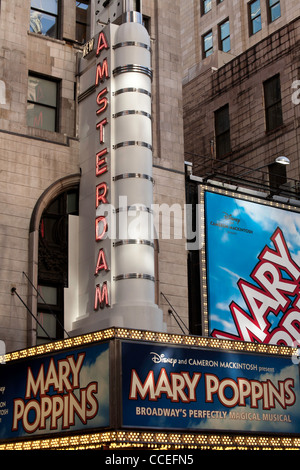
point(58, 209)
point(44, 105)
point(270, 9)
point(80, 23)
point(274, 104)
point(219, 136)
point(203, 7)
point(204, 54)
point(57, 17)
point(251, 20)
point(222, 40)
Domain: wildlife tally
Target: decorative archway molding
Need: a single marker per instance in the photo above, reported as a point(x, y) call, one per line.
point(54, 190)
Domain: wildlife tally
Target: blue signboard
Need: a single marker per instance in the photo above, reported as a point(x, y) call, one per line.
point(253, 270)
point(63, 392)
point(172, 387)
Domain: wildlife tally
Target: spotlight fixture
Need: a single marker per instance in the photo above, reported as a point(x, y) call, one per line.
point(283, 160)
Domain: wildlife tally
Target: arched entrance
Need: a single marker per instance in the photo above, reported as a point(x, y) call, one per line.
point(48, 258)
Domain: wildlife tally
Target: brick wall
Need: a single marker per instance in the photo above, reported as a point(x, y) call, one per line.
point(240, 84)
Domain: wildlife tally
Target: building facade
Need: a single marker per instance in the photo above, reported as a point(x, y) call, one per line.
point(241, 106)
point(40, 145)
point(244, 85)
point(186, 337)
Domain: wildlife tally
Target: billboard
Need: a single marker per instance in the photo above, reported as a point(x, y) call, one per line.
point(252, 256)
point(64, 392)
point(180, 388)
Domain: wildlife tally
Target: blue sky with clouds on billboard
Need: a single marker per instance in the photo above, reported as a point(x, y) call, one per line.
point(232, 254)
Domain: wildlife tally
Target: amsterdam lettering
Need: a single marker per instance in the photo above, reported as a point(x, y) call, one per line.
point(50, 397)
point(181, 387)
point(275, 291)
point(101, 169)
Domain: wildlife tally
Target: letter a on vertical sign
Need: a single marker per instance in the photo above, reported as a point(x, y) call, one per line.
point(102, 43)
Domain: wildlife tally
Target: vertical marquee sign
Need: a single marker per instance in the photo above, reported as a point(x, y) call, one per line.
point(101, 298)
point(95, 161)
point(116, 247)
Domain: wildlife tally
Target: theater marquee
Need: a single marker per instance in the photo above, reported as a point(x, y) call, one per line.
point(120, 387)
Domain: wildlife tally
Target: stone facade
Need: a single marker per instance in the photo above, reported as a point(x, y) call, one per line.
point(36, 165)
point(195, 24)
point(240, 84)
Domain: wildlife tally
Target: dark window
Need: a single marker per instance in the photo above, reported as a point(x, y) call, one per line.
point(42, 109)
point(255, 17)
point(222, 129)
point(82, 11)
point(53, 264)
point(147, 23)
point(274, 10)
point(205, 6)
point(273, 107)
point(224, 36)
point(44, 17)
point(207, 42)
point(277, 176)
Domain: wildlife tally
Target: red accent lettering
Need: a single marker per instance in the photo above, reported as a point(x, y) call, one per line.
point(101, 262)
point(101, 191)
point(101, 72)
point(101, 162)
point(102, 43)
point(98, 221)
point(101, 296)
point(100, 126)
point(102, 101)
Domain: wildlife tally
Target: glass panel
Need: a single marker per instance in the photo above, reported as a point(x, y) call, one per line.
point(207, 6)
point(274, 117)
point(42, 91)
point(41, 117)
point(72, 203)
point(256, 25)
point(255, 9)
point(43, 24)
point(48, 322)
point(50, 6)
point(81, 35)
point(208, 44)
point(272, 91)
point(223, 144)
point(222, 120)
point(255, 16)
point(226, 45)
point(225, 30)
point(49, 295)
point(275, 12)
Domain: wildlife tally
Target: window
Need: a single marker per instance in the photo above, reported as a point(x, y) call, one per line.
point(277, 175)
point(222, 129)
point(82, 9)
point(205, 6)
point(42, 103)
point(53, 262)
point(49, 313)
point(224, 36)
point(273, 107)
point(255, 17)
point(44, 17)
point(207, 44)
point(274, 10)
